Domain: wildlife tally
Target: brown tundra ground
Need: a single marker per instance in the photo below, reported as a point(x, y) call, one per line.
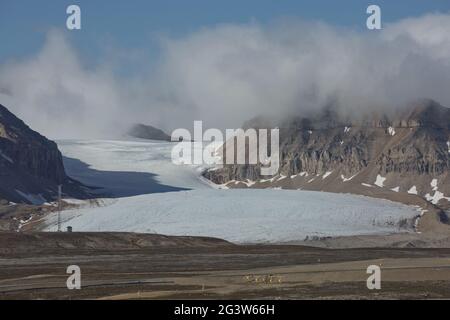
point(137, 266)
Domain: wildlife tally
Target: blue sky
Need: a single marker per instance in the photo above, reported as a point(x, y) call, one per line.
point(134, 25)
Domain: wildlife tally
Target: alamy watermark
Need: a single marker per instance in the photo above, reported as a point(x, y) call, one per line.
point(74, 280)
point(73, 21)
point(373, 22)
point(238, 146)
point(374, 280)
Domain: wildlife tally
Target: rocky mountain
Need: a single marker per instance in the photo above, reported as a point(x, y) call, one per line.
point(143, 131)
point(31, 166)
point(406, 152)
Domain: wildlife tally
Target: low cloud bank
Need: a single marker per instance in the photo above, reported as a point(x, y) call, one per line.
point(229, 73)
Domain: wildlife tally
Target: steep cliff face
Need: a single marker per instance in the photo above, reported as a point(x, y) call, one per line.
point(405, 152)
point(31, 166)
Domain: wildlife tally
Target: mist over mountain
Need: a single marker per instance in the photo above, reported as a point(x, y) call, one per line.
point(226, 74)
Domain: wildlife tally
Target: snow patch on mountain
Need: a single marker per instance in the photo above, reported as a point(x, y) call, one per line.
point(380, 181)
point(436, 197)
point(344, 179)
point(391, 131)
point(413, 190)
point(326, 174)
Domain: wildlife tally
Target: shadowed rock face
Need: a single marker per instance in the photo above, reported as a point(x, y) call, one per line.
point(28, 150)
point(410, 148)
point(30, 164)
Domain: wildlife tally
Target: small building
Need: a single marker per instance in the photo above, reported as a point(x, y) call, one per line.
point(69, 229)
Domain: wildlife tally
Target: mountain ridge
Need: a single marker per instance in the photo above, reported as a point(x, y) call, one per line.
point(407, 152)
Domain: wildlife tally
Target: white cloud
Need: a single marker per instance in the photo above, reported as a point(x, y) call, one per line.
point(430, 33)
point(230, 73)
point(57, 96)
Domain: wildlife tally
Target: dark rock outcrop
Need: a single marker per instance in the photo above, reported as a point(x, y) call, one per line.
point(143, 131)
point(31, 166)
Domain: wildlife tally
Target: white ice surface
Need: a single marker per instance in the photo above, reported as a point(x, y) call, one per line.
point(254, 215)
point(434, 184)
point(238, 215)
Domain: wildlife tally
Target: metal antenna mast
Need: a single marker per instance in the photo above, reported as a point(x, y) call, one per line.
point(59, 207)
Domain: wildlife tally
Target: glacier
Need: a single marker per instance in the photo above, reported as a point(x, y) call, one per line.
point(165, 198)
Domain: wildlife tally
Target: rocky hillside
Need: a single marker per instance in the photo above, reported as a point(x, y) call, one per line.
point(31, 166)
point(406, 152)
point(143, 131)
